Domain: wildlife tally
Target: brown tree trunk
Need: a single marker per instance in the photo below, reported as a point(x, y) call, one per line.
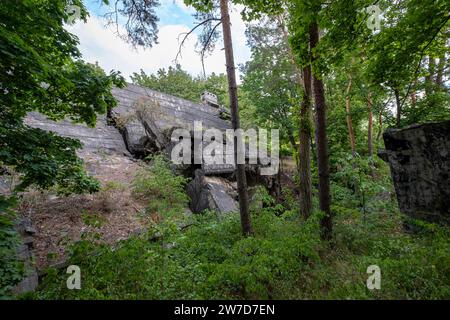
point(304, 157)
point(440, 72)
point(399, 107)
point(370, 129)
point(413, 98)
point(351, 133)
point(414, 94)
point(234, 106)
point(429, 80)
point(432, 68)
point(322, 144)
point(380, 124)
point(291, 139)
point(305, 146)
point(294, 147)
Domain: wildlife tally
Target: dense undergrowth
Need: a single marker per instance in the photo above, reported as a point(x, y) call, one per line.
point(284, 259)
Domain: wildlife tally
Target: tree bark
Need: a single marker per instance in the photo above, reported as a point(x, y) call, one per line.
point(234, 106)
point(414, 94)
point(305, 146)
point(399, 107)
point(351, 133)
point(380, 124)
point(304, 157)
point(370, 129)
point(432, 69)
point(440, 72)
point(429, 81)
point(322, 144)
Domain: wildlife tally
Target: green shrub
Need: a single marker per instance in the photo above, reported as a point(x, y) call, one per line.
point(164, 191)
point(11, 269)
point(284, 259)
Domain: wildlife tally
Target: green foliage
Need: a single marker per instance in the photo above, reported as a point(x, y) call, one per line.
point(93, 220)
point(284, 259)
point(11, 269)
point(209, 260)
point(413, 266)
point(44, 159)
point(177, 82)
point(41, 71)
point(163, 190)
point(270, 80)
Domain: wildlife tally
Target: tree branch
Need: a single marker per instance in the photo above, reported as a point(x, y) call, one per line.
point(205, 46)
point(187, 34)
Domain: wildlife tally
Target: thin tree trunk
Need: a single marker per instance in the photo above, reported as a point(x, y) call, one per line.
point(234, 106)
point(370, 129)
point(304, 157)
point(429, 82)
point(282, 27)
point(380, 124)
point(440, 72)
point(294, 147)
point(322, 144)
point(399, 107)
point(432, 69)
point(414, 96)
point(291, 139)
point(351, 133)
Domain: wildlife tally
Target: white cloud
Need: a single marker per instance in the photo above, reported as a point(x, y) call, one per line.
point(100, 44)
point(179, 3)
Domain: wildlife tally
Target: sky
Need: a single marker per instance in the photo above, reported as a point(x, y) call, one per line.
point(99, 43)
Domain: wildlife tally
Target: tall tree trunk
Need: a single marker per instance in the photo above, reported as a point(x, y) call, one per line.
point(291, 138)
point(432, 69)
point(380, 124)
point(294, 147)
point(370, 129)
point(322, 144)
point(304, 157)
point(440, 72)
point(399, 107)
point(429, 79)
point(305, 146)
point(414, 94)
point(351, 133)
point(234, 106)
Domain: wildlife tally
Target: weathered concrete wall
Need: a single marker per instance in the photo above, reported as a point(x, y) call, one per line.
point(419, 158)
point(173, 111)
point(166, 112)
point(101, 139)
point(143, 119)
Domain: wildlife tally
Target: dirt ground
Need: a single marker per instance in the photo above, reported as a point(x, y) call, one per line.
point(113, 212)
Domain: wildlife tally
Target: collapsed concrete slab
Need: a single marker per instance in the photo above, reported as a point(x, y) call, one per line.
point(213, 193)
point(144, 120)
point(419, 158)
